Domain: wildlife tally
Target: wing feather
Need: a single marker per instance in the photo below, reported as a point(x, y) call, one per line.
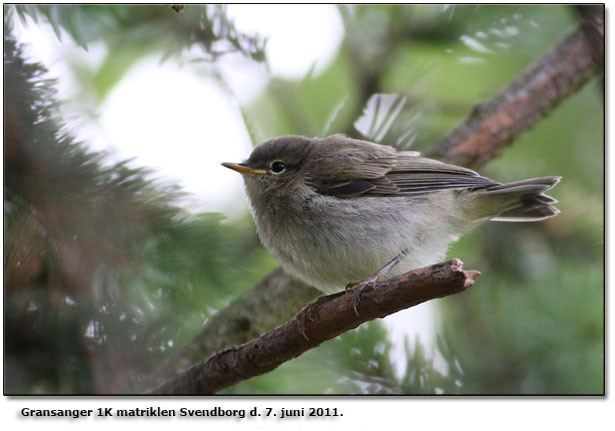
point(403, 174)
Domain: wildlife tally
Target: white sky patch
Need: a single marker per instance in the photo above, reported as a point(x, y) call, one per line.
point(419, 321)
point(299, 36)
point(245, 78)
point(181, 125)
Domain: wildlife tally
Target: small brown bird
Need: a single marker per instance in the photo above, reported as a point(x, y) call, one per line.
point(337, 209)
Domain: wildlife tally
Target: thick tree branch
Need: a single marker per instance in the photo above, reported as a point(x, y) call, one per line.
point(536, 92)
point(325, 318)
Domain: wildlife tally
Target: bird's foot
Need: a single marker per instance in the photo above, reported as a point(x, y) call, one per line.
point(306, 314)
point(355, 288)
point(300, 319)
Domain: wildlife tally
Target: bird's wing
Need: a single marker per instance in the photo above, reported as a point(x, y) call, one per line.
point(403, 174)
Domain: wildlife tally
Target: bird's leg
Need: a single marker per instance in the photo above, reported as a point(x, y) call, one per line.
point(377, 276)
point(357, 286)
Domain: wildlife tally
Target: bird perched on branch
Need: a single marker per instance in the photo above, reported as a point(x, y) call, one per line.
point(338, 212)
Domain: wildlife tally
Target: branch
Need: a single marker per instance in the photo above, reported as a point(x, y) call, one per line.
point(274, 299)
point(534, 94)
point(325, 318)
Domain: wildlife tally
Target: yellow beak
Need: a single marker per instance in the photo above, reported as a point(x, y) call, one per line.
point(244, 169)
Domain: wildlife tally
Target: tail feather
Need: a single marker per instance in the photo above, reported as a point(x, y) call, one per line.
point(523, 200)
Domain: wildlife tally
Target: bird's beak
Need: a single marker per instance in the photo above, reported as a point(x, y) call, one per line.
point(244, 169)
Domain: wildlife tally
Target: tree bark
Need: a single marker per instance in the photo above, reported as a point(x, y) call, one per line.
point(529, 98)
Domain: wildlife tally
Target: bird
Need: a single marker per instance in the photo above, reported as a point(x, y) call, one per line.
point(338, 212)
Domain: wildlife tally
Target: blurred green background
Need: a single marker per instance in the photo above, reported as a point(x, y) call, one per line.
point(107, 274)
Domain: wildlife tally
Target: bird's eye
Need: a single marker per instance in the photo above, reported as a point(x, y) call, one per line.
point(277, 167)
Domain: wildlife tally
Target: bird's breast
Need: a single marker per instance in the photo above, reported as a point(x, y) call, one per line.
point(328, 242)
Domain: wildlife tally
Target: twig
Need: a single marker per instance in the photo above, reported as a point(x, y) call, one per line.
point(325, 318)
point(536, 92)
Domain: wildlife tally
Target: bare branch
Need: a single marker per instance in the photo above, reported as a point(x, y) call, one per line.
point(536, 92)
point(325, 318)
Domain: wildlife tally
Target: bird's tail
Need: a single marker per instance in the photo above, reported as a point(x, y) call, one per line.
point(520, 201)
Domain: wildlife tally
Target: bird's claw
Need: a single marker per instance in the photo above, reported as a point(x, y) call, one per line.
point(356, 287)
point(300, 318)
point(307, 313)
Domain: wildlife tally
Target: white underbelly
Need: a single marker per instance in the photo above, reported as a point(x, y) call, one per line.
point(331, 248)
